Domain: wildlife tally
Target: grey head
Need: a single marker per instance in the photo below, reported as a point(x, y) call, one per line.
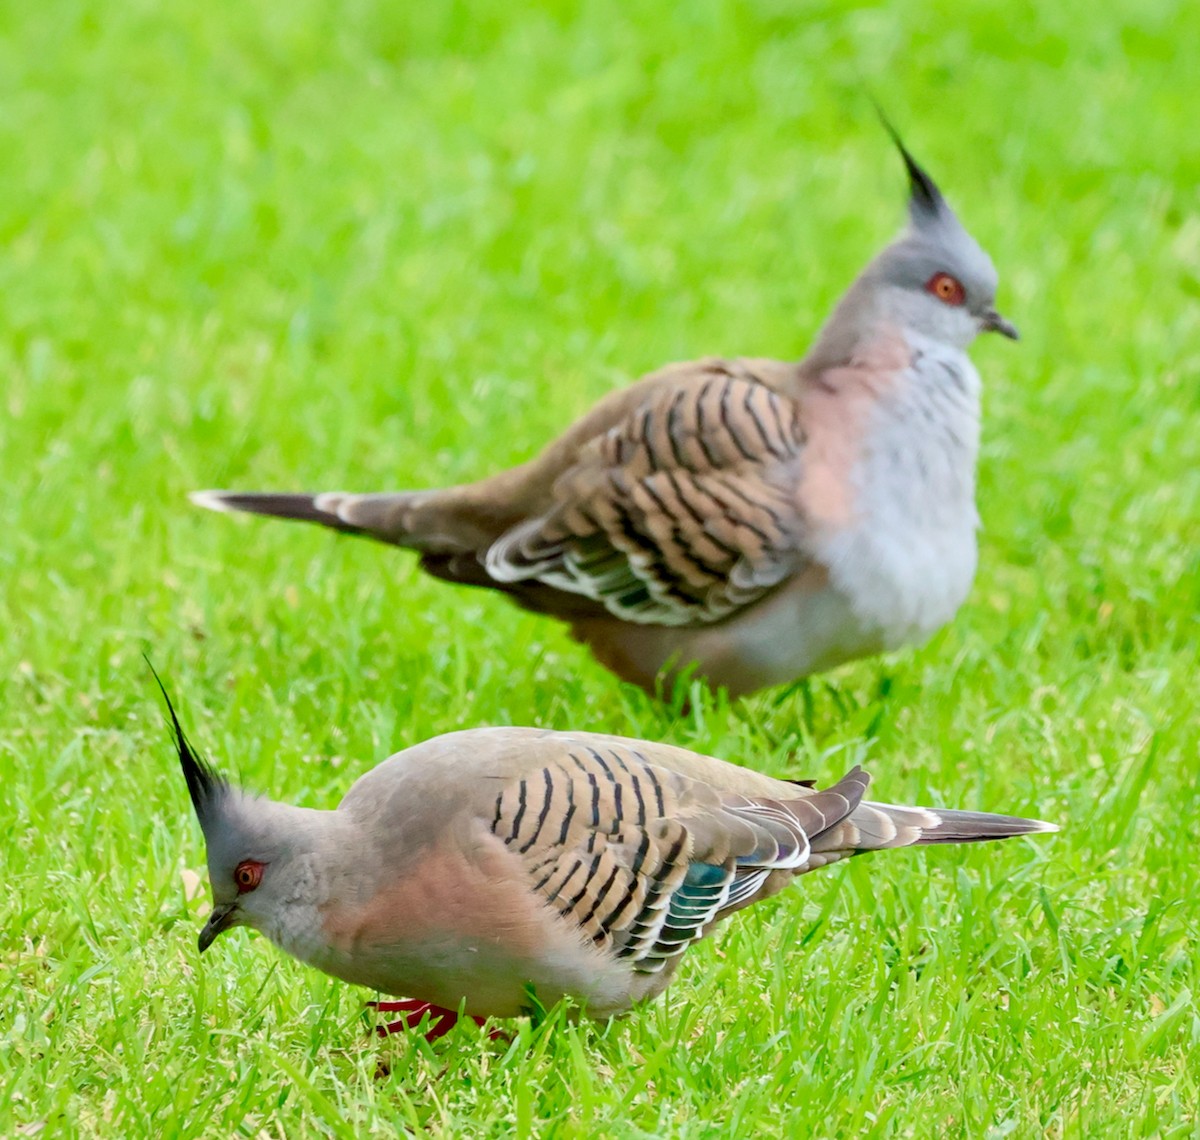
point(259, 851)
point(934, 279)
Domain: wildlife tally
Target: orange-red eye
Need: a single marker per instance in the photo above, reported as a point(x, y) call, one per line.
point(946, 288)
point(247, 876)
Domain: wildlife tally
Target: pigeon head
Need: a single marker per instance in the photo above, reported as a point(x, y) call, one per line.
point(259, 851)
point(935, 279)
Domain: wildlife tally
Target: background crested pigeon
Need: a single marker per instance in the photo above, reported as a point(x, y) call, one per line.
point(485, 866)
point(758, 519)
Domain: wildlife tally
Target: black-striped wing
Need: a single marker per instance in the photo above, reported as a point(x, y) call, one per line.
point(681, 514)
point(643, 860)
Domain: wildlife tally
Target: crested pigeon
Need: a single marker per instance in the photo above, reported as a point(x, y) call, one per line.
point(491, 869)
point(755, 520)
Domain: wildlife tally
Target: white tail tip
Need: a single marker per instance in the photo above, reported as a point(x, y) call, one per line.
point(212, 500)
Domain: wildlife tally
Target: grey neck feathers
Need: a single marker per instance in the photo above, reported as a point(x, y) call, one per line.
point(855, 321)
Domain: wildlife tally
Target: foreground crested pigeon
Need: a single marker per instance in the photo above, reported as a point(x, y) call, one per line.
point(755, 519)
point(491, 869)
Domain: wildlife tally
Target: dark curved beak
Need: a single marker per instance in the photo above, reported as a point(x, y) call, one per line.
point(994, 322)
point(222, 918)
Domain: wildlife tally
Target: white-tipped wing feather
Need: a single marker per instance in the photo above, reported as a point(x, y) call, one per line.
point(641, 858)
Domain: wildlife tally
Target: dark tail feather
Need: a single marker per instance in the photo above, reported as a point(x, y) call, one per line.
point(440, 522)
point(300, 507)
point(979, 826)
point(875, 826)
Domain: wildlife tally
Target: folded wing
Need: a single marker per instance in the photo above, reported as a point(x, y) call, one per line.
point(681, 514)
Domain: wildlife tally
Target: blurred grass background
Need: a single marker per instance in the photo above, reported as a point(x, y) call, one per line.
point(366, 246)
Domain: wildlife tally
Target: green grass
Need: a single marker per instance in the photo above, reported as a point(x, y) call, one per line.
point(366, 246)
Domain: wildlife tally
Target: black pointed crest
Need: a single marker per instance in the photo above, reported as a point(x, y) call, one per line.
point(205, 786)
point(924, 196)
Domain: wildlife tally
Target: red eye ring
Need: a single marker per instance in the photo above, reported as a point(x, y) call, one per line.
point(946, 288)
point(247, 875)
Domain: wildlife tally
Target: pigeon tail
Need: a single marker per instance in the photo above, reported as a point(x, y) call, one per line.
point(300, 507)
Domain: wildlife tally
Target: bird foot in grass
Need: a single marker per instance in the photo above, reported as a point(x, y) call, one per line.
point(442, 1020)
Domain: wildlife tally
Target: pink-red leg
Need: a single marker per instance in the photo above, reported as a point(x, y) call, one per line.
point(442, 1020)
